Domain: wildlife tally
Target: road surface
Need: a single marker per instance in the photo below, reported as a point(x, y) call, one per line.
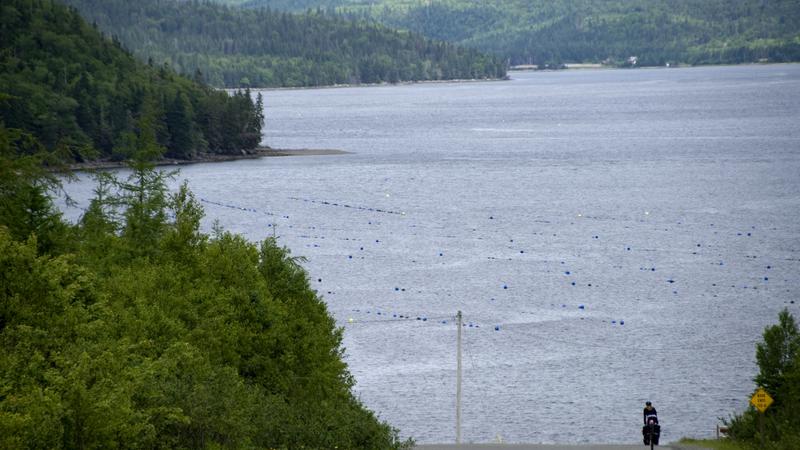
point(546, 447)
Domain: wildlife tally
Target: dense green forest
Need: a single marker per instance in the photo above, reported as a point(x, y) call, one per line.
point(260, 48)
point(556, 31)
point(132, 329)
point(84, 97)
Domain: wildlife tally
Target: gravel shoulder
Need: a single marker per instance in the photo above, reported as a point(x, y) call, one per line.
point(541, 447)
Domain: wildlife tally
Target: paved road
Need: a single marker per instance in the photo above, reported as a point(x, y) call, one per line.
point(540, 447)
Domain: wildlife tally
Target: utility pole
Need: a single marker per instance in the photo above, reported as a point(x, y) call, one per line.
point(458, 381)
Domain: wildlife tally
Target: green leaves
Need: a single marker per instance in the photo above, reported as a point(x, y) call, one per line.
point(150, 334)
point(778, 358)
point(84, 98)
point(779, 355)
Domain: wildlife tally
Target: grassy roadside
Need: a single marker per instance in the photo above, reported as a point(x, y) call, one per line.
point(715, 444)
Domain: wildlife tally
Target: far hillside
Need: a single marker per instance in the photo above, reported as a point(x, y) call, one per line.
point(80, 94)
point(232, 47)
point(657, 32)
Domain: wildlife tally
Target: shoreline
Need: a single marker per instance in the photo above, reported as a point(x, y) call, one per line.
point(369, 85)
point(677, 66)
point(257, 153)
point(484, 80)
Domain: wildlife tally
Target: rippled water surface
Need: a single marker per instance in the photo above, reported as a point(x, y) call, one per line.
point(611, 237)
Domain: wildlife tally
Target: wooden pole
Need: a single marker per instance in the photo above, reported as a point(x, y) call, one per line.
point(458, 381)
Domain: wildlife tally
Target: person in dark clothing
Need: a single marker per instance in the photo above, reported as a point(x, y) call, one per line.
point(649, 412)
point(650, 432)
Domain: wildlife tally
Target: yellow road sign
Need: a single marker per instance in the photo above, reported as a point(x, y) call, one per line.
point(761, 400)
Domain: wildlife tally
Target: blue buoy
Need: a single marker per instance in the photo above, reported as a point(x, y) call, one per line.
point(350, 257)
point(573, 283)
point(629, 249)
point(440, 254)
point(622, 322)
point(522, 251)
point(491, 217)
point(497, 328)
point(670, 281)
point(653, 269)
point(397, 289)
point(319, 280)
point(505, 286)
point(566, 273)
point(766, 278)
point(613, 321)
point(581, 307)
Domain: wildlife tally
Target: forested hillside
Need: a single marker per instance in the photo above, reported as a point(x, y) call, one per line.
point(81, 95)
point(260, 48)
point(555, 31)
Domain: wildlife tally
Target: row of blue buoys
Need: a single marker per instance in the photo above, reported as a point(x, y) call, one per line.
point(441, 253)
point(344, 205)
point(421, 318)
point(240, 208)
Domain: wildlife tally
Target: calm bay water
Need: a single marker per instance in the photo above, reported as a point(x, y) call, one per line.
point(611, 237)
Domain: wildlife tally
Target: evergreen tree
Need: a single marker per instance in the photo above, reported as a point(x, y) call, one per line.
point(778, 358)
point(146, 333)
point(82, 97)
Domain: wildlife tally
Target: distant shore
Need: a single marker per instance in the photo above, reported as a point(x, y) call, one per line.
point(383, 84)
point(260, 152)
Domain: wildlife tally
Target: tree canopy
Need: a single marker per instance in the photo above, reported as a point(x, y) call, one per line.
point(133, 329)
point(232, 47)
point(558, 31)
point(82, 96)
point(778, 358)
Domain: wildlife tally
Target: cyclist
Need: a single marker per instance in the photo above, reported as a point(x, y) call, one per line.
point(650, 413)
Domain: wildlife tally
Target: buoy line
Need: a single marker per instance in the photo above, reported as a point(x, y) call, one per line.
point(348, 206)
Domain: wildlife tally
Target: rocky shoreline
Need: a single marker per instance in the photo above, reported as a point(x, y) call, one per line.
point(260, 152)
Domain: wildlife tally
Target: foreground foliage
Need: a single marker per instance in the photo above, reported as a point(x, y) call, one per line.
point(132, 329)
point(81, 95)
point(778, 358)
point(715, 444)
point(558, 31)
point(261, 48)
